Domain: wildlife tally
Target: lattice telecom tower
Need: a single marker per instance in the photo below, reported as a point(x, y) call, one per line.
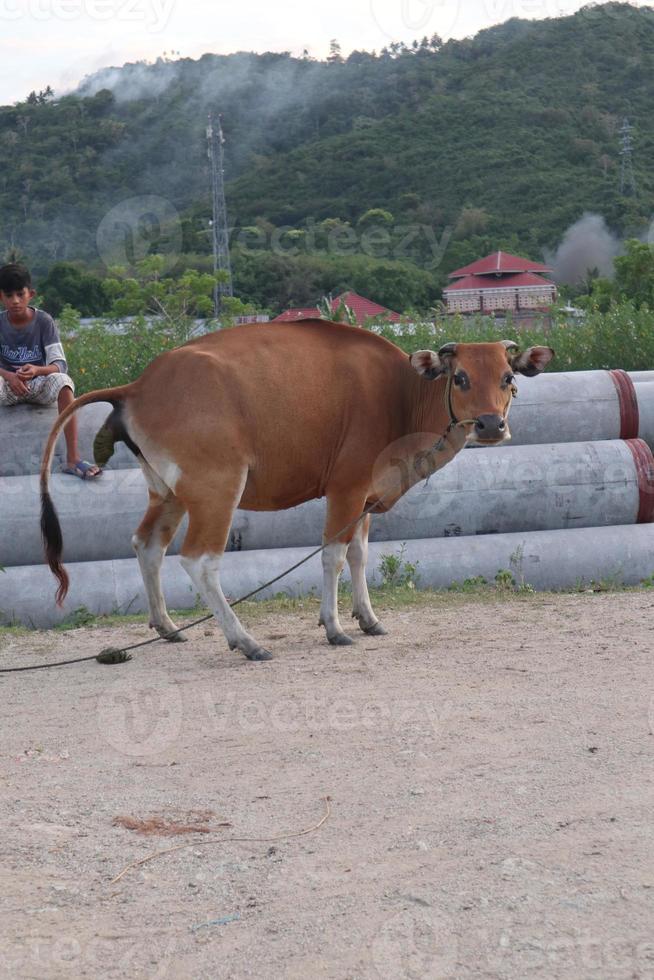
point(220, 230)
point(627, 177)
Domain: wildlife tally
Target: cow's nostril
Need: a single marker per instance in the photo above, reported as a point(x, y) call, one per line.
point(490, 427)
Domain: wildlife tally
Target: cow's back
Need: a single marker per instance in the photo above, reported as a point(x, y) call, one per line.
point(300, 404)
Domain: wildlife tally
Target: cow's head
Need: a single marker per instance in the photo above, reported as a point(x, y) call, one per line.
point(480, 382)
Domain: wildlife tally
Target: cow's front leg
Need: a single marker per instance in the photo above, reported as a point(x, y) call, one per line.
point(333, 560)
point(357, 558)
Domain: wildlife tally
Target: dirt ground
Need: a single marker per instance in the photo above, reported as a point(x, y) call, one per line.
point(490, 782)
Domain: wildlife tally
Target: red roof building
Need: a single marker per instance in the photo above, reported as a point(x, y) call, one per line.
point(498, 283)
point(362, 308)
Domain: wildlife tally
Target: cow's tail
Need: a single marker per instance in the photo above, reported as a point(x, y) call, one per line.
point(50, 526)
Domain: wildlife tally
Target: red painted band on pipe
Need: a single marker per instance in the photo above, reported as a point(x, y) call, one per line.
point(628, 402)
point(645, 472)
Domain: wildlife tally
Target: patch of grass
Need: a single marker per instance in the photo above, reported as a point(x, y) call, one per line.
point(79, 617)
point(611, 583)
point(396, 572)
point(8, 633)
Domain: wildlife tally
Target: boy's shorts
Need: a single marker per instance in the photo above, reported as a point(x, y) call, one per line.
point(42, 390)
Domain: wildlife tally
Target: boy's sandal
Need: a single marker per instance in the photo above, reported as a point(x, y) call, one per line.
point(82, 469)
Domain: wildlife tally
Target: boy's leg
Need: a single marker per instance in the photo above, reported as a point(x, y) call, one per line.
point(73, 457)
point(7, 397)
point(44, 390)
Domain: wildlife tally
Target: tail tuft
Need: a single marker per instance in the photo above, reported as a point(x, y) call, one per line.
point(53, 544)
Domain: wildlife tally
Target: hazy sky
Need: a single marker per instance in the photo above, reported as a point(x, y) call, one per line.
point(57, 42)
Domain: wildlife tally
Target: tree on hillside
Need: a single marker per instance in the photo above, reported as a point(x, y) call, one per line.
point(634, 273)
point(68, 285)
point(334, 57)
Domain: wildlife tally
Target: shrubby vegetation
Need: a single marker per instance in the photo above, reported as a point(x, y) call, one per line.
point(621, 338)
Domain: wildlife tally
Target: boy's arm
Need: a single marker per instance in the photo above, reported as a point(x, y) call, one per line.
point(30, 371)
point(55, 359)
point(15, 381)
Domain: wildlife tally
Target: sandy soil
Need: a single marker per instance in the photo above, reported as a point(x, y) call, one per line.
point(490, 773)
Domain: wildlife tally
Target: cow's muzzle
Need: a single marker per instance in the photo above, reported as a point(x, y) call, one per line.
point(490, 428)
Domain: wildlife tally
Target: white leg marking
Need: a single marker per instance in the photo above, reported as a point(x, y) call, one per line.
point(333, 560)
point(150, 556)
point(204, 572)
point(357, 559)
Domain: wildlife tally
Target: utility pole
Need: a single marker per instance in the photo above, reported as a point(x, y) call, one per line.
point(219, 228)
point(627, 177)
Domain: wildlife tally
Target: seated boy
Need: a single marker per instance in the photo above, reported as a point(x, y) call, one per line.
point(32, 361)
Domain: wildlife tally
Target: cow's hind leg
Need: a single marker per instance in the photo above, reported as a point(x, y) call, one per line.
point(210, 510)
point(357, 559)
point(342, 510)
point(152, 537)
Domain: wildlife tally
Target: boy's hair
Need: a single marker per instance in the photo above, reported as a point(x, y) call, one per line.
point(14, 278)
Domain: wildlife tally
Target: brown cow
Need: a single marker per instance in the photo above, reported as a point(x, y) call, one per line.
point(264, 418)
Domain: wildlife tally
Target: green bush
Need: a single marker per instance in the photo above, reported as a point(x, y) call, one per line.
point(100, 358)
point(395, 571)
point(623, 337)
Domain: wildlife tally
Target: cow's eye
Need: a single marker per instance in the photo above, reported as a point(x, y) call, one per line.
point(461, 380)
point(508, 380)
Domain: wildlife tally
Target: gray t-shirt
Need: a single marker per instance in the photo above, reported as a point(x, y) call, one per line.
point(36, 343)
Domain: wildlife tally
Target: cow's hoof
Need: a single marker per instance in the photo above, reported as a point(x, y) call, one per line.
point(176, 638)
point(375, 630)
point(171, 635)
point(259, 654)
point(340, 640)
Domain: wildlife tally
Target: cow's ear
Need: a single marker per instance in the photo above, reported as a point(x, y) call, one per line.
point(430, 364)
point(531, 361)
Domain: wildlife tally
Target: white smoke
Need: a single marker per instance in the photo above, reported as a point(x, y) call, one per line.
point(132, 81)
point(587, 244)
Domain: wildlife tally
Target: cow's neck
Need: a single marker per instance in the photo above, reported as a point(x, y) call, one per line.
point(422, 445)
point(428, 411)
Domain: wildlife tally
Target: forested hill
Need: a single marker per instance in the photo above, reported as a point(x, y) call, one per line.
point(504, 139)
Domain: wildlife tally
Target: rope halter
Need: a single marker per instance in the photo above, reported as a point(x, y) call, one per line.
point(454, 422)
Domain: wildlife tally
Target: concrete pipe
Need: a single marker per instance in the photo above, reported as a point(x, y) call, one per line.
point(487, 492)
point(98, 517)
point(645, 396)
point(640, 376)
point(574, 406)
point(542, 559)
point(24, 431)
